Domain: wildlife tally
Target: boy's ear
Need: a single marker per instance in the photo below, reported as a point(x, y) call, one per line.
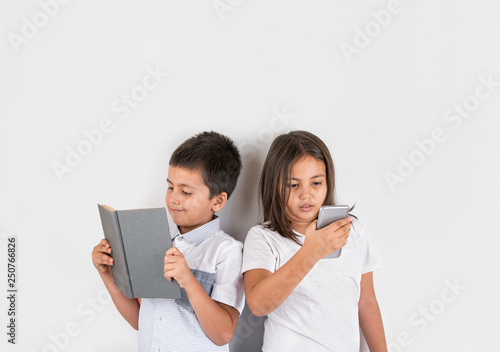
point(219, 201)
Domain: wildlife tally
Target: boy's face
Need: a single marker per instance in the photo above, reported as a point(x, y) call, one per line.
point(308, 190)
point(188, 199)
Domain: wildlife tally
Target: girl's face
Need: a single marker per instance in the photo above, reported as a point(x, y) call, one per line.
point(308, 188)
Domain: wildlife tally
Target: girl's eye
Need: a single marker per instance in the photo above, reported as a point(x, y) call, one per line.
point(293, 185)
point(170, 188)
point(186, 193)
point(317, 183)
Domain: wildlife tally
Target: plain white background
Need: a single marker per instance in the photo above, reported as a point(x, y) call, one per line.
point(236, 68)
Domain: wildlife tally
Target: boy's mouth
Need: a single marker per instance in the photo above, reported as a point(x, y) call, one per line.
point(175, 211)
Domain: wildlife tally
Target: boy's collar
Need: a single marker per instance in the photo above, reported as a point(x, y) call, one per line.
point(201, 232)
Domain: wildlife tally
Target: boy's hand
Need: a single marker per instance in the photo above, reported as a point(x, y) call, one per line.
point(328, 239)
point(101, 257)
point(176, 268)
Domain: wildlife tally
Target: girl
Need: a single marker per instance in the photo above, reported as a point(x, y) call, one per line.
point(312, 304)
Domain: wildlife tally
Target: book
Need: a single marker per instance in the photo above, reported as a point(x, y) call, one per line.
point(139, 239)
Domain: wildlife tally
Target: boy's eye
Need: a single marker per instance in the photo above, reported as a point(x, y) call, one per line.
point(170, 188)
point(186, 193)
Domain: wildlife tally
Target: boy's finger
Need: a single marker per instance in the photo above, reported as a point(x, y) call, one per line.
point(173, 251)
point(169, 259)
point(103, 249)
point(170, 273)
point(106, 259)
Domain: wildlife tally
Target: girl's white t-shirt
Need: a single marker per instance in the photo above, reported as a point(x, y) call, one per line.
point(321, 314)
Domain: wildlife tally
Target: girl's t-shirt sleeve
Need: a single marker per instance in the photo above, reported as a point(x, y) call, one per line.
point(257, 251)
point(371, 257)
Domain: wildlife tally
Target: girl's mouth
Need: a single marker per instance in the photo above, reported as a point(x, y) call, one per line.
point(306, 207)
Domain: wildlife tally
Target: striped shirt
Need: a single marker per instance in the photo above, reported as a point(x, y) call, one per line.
point(215, 260)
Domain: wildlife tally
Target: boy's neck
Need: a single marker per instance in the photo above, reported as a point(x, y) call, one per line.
point(185, 229)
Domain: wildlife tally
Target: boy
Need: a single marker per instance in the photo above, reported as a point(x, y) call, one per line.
point(205, 261)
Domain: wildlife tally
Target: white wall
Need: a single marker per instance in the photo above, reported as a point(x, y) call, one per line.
point(65, 73)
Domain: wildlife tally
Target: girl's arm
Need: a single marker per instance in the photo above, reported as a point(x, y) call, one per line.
point(266, 291)
point(370, 318)
point(128, 307)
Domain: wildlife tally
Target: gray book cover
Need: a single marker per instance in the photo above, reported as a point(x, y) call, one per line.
point(139, 239)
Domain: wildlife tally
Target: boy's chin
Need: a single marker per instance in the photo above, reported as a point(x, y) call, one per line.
point(178, 219)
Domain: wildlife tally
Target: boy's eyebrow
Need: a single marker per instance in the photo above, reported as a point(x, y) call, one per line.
point(181, 184)
point(315, 176)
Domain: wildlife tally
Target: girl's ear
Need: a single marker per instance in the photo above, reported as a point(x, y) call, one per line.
point(219, 201)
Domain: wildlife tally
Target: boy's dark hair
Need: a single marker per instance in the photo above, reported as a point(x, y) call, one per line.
point(215, 155)
point(285, 150)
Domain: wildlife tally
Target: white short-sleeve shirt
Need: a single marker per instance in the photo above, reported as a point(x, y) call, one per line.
point(215, 260)
point(321, 314)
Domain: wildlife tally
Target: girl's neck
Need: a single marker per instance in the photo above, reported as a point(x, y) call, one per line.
point(300, 227)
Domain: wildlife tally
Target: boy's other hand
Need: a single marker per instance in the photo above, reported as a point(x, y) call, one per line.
point(176, 268)
point(101, 257)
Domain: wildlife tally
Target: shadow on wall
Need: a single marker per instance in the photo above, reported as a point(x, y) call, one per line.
point(242, 209)
point(237, 217)
point(249, 333)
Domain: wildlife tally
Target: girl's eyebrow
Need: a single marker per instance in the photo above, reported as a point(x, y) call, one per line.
point(315, 176)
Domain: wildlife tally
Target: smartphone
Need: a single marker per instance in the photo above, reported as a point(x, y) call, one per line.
point(328, 214)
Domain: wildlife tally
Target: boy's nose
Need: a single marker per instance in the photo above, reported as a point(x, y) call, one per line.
point(173, 198)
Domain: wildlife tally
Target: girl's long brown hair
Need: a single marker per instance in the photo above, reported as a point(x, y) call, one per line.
point(285, 150)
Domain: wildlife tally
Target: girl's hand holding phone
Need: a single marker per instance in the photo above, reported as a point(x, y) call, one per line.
point(327, 240)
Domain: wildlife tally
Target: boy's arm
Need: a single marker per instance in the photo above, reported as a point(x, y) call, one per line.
point(128, 307)
point(218, 320)
point(370, 318)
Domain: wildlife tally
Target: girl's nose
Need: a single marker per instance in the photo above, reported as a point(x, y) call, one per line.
point(306, 193)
